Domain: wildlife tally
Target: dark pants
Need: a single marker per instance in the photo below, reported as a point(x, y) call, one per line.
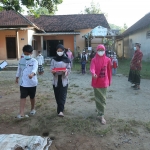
point(60, 95)
point(83, 66)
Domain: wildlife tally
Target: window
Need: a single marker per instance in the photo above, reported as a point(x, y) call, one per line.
point(148, 35)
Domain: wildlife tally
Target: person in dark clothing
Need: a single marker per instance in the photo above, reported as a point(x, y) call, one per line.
point(60, 68)
point(83, 62)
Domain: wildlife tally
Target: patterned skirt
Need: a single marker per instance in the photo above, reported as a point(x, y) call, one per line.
point(40, 68)
point(100, 100)
point(134, 77)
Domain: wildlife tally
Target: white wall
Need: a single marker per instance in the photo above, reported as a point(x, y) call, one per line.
point(140, 37)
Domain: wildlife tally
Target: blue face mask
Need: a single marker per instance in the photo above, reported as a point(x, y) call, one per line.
point(27, 57)
point(134, 48)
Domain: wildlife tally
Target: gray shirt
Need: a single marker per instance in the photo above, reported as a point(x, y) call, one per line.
point(60, 64)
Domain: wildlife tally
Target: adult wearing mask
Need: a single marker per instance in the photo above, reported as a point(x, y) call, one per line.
point(135, 67)
point(100, 68)
point(40, 60)
point(83, 62)
point(70, 56)
point(60, 78)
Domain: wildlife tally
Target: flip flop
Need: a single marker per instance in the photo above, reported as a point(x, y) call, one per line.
point(61, 114)
point(103, 121)
point(21, 117)
point(32, 112)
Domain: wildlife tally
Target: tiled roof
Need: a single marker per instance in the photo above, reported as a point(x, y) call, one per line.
point(12, 18)
point(58, 23)
point(142, 23)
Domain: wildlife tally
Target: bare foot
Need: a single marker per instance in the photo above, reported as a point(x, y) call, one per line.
point(102, 119)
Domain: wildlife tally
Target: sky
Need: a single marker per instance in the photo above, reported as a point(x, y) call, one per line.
point(118, 11)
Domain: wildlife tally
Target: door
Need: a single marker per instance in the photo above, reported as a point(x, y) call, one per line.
point(11, 47)
point(51, 47)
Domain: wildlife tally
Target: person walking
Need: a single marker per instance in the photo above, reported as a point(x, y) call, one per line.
point(114, 65)
point(70, 56)
point(60, 68)
point(135, 67)
point(101, 71)
point(40, 60)
point(83, 62)
point(27, 79)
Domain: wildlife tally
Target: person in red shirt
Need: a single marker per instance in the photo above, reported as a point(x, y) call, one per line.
point(101, 70)
point(114, 65)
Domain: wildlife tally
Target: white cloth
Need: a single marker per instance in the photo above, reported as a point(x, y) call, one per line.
point(14, 141)
point(25, 68)
point(40, 59)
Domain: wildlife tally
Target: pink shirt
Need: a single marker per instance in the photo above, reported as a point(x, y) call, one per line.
point(101, 66)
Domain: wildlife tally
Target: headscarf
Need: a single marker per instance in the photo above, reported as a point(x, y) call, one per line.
point(99, 61)
point(63, 57)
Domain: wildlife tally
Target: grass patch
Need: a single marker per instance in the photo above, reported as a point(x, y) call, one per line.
point(124, 67)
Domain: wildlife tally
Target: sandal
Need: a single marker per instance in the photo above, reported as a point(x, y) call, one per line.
point(21, 117)
point(103, 121)
point(61, 114)
point(32, 112)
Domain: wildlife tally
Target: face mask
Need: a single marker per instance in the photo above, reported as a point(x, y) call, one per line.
point(60, 53)
point(134, 48)
point(101, 53)
point(27, 56)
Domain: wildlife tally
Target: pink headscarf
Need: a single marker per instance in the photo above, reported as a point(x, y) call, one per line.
point(99, 60)
point(100, 46)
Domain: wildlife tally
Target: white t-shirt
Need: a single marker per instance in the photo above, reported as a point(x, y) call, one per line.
point(25, 68)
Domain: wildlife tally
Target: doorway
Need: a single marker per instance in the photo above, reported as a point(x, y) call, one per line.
point(51, 47)
point(11, 47)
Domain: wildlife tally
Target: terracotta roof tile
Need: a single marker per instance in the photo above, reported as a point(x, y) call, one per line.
point(59, 23)
point(142, 23)
point(12, 18)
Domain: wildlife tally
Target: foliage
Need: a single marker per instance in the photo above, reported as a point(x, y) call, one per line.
point(31, 5)
point(122, 29)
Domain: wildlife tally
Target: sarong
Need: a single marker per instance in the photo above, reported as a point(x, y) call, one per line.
point(100, 100)
point(134, 77)
point(40, 68)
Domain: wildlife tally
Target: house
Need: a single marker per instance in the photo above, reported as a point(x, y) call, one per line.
point(138, 32)
point(45, 32)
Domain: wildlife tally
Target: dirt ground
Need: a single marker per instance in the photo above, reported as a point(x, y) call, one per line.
point(127, 114)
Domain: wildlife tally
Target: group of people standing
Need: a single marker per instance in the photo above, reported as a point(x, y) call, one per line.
point(60, 67)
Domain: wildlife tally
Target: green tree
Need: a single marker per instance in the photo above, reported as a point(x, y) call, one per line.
point(42, 11)
point(31, 5)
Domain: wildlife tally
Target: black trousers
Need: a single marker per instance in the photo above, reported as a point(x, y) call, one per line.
point(60, 95)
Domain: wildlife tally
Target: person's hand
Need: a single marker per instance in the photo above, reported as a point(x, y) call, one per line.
point(53, 71)
point(16, 81)
point(31, 75)
point(95, 76)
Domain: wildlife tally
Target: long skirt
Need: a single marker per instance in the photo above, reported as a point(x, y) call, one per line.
point(100, 100)
point(60, 95)
point(134, 77)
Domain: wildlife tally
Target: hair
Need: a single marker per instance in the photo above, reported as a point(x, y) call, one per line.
point(39, 51)
point(138, 44)
point(27, 48)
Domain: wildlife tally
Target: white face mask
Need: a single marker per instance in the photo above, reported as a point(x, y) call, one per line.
point(101, 53)
point(134, 48)
point(60, 53)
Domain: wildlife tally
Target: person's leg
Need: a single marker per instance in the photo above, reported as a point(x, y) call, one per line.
point(56, 93)
point(32, 92)
point(137, 79)
point(100, 100)
point(62, 98)
point(22, 106)
point(23, 95)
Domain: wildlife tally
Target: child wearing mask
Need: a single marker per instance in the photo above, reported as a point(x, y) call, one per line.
point(27, 79)
point(40, 60)
point(114, 65)
point(100, 68)
point(60, 68)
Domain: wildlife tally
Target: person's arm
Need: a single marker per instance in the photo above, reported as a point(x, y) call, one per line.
point(18, 73)
point(68, 69)
point(109, 72)
point(42, 60)
point(34, 70)
point(92, 69)
point(52, 67)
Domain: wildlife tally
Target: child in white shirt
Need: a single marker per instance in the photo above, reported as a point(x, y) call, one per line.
point(27, 78)
point(40, 60)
